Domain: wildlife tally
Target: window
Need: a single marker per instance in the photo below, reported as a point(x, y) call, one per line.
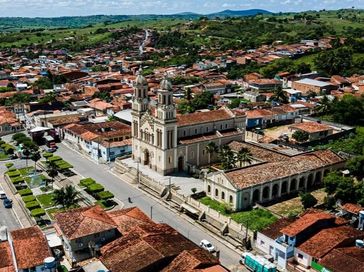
point(231, 199)
point(222, 195)
point(300, 256)
point(216, 192)
point(208, 188)
point(170, 159)
point(262, 242)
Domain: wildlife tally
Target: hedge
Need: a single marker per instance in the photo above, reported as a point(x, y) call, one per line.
point(104, 195)
point(37, 212)
point(28, 198)
point(13, 174)
point(47, 155)
point(16, 180)
point(9, 149)
point(25, 192)
point(32, 205)
point(87, 182)
point(9, 165)
point(54, 158)
point(95, 188)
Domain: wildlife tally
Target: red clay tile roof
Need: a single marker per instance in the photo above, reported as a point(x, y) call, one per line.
point(349, 259)
point(261, 173)
point(259, 113)
point(311, 127)
point(352, 208)
point(203, 117)
point(273, 231)
point(6, 261)
point(192, 261)
point(144, 249)
point(305, 221)
point(30, 247)
point(81, 222)
point(327, 239)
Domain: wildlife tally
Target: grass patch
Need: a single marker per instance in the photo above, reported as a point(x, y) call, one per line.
point(105, 204)
point(17, 180)
point(95, 188)
point(256, 219)
point(32, 205)
point(3, 156)
point(87, 182)
point(28, 198)
point(26, 170)
point(25, 192)
point(46, 200)
point(104, 195)
point(37, 212)
point(13, 174)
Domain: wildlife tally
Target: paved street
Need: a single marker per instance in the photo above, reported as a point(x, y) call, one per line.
point(123, 190)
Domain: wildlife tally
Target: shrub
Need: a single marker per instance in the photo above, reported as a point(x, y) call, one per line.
point(95, 188)
point(104, 195)
point(32, 205)
point(13, 174)
point(17, 180)
point(25, 192)
point(9, 149)
point(37, 212)
point(47, 155)
point(28, 198)
point(87, 182)
point(54, 158)
point(106, 203)
point(9, 165)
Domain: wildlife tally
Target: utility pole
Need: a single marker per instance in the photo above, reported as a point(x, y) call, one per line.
point(138, 174)
point(151, 212)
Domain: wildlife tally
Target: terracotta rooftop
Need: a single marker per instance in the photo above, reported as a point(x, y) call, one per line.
point(327, 239)
point(192, 261)
point(348, 259)
point(273, 231)
point(262, 173)
point(144, 249)
point(6, 261)
point(30, 247)
point(204, 117)
point(81, 222)
point(352, 208)
point(311, 127)
point(306, 221)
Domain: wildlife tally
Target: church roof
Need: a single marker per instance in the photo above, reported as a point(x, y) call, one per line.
point(203, 117)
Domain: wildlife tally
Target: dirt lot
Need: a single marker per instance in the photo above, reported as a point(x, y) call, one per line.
point(294, 205)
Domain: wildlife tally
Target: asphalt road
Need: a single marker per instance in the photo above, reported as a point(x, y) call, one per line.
point(122, 190)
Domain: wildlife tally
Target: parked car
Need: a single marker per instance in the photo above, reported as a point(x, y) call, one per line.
point(207, 246)
point(2, 195)
point(8, 203)
point(50, 149)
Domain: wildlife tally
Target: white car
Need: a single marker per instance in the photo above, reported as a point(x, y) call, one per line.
point(207, 246)
point(2, 195)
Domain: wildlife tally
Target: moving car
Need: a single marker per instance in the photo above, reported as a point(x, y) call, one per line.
point(8, 203)
point(207, 246)
point(2, 195)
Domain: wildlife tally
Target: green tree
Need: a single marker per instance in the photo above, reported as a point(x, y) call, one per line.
point(337, 61)
point(279, 95)
point(66, 196)
point(43, 83)
point(35, 157)
point(356, 165)
point(308, 200)
point(324, 106)
point(243, 156)
point(227, 157)
point(52, 171)
point(300, 136)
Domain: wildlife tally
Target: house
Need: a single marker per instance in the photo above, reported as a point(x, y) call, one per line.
point(258, 118)
point(306, 85)
point(315, 130)
point(196, 260)
point(152, 248)
point(8, 122)
point(30, 249)
point(105, 140)
point(267, 242)
point(319, 245)
point(347, 259)
point(264, 84)
point(80, 228)
point(101, 107)
point(6, 258)
point(268, 178)
point(254, 96)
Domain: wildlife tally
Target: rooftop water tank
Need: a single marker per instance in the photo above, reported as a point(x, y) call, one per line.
point(359, 243)
point(3, 233)
point(50, 264)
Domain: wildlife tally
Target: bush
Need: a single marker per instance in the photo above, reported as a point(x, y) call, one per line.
point(38, 212)
point(308, 200)
point(87, 182)
point(106, 203)
point(28, 198)
point(47, 155)
point(32, 205)
point(17, 180)
point(95, 188)
point(9, 165)
point(54, 158)
point(25, 192)
point(13, 174)
point(9, 149)
point(104, 195)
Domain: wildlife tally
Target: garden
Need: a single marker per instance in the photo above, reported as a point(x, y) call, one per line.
point(96, 190)
point(255, 219)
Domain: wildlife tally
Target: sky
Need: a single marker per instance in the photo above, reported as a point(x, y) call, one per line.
point(55, 8)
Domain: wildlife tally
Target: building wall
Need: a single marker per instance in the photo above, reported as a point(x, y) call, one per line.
point(302, 258)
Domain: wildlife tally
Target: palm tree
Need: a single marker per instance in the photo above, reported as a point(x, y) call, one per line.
point(188, 95)
point(279, 95)
point(66, 197)
point(211, 148)
point(52, 171)
point(244, 155)
point(324, 107)
point(26, 154)
point(227, 158)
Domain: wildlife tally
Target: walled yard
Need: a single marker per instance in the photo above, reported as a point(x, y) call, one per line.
point(293, 206)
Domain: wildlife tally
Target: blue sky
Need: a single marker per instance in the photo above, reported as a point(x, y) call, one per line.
point(54, 8)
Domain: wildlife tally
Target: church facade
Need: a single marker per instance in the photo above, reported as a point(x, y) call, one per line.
point(168, 142)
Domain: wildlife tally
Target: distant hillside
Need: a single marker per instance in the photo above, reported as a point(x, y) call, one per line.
point(238, 13)
point(16, 23)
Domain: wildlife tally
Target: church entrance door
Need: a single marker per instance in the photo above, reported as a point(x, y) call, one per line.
point(146, 157)
point(180, 164)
